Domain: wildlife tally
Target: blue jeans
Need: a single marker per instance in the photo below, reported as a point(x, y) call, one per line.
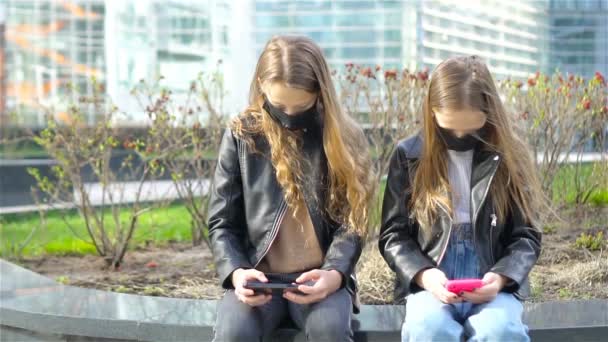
point(429, 319)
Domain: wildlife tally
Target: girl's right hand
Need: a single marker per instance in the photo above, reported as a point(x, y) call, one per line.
point(434, 280)
point(248, 296)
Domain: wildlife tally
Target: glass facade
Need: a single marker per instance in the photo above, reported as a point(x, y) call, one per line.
point(365, 32)
point(510, 36)
point(46, 44)
point(3, 117)
point(173, 39)
point(579, 36)
point(50, 45)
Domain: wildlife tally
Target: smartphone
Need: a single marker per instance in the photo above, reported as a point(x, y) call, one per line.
point(463, 285)
point(260, 287)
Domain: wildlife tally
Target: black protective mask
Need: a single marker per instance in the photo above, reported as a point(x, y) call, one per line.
point(465, 143)
point(302, 120)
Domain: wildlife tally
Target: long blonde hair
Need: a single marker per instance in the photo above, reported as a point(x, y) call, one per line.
point(465, 83)
point(299, 63)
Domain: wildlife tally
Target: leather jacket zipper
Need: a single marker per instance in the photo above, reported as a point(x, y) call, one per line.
point(483, 198)
point(492, 227)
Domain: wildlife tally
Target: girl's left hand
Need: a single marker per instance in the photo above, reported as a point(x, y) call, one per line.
point(493, 284)
point(326, 283)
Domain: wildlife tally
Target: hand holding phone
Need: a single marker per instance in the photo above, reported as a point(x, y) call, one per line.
point(249, 297)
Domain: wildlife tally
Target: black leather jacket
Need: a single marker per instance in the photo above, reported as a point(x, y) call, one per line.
point(509, 248)
point(247, 206)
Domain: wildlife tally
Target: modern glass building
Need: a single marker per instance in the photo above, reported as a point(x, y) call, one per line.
point(511, 36)
point(579, 36)
point(50, 44)
point(3, 117)
point(173, 39)
point(366, 32)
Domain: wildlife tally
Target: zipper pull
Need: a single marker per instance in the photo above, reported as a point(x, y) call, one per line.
point(494, 218)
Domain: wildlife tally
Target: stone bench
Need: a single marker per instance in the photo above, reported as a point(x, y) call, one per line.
point(36, 308)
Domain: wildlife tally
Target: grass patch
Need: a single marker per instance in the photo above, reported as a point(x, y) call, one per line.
point(564, 184)
point(158, 226)
point(599, 197)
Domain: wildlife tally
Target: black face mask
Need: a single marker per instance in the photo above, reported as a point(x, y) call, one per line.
point(468, 142)
point(302, 120)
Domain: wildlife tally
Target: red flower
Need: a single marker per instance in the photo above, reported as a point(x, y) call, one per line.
point(531, 82)
point(378, 67)
point(423, 75)
point(600, 78)
point(560, 79)
point(587, 104)
point(367, 72)
point(152, 264)
point(518, 84)
point(128, 144)
point(605, 110)
point(571, 78)
point(390, 74)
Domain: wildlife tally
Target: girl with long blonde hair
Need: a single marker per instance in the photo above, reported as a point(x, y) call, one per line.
point(462, 202)
point(290, 201)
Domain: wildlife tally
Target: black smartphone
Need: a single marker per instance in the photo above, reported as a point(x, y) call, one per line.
point(261, 287)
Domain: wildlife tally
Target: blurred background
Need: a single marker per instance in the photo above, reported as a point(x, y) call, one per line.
point(47, 44)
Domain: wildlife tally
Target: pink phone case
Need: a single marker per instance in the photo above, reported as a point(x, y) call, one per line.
point(463, 285)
